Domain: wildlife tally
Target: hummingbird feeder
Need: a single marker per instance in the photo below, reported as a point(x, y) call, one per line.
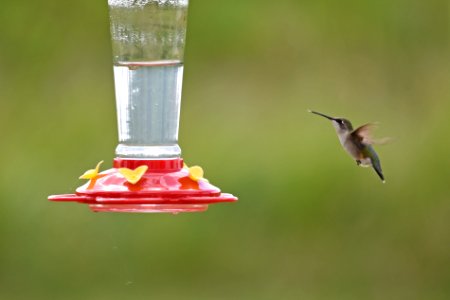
point(148, 174)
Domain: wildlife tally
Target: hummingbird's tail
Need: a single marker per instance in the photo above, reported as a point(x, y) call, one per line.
point(377, 169)
point(375, 161)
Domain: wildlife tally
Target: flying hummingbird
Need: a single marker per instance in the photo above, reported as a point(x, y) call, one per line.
point(357, 142)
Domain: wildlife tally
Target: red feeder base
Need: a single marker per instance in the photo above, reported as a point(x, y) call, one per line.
point(166, 187)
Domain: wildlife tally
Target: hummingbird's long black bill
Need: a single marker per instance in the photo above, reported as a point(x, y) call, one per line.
point(320, 114)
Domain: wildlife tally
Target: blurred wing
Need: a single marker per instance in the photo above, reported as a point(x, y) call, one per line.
point(363, 134)
point(382, 141)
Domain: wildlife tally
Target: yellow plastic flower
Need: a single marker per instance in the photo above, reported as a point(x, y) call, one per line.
point(196, 173)
point(133, 176)
point(92, 173)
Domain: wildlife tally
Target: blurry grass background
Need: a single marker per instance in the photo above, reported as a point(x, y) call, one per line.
point(309, 223)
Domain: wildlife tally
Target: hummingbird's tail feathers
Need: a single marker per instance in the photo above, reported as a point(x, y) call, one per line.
point(379, 172)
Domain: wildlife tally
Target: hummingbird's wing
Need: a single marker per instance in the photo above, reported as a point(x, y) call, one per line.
point(363, 135)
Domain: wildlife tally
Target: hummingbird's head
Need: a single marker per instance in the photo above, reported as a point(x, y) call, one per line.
point(340, 124)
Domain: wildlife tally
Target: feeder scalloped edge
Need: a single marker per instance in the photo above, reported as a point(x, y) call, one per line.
point(165, 186)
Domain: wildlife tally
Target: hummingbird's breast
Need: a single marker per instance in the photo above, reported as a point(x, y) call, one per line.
point(351, 147)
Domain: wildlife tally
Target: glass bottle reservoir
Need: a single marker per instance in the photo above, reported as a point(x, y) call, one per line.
point(148, 38)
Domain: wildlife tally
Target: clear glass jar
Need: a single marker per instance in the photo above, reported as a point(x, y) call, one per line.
point(148, 38)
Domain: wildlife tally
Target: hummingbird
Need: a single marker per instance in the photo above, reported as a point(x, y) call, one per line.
point(357, 142)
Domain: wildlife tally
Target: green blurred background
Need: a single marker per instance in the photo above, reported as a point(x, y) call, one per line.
point(309, 223)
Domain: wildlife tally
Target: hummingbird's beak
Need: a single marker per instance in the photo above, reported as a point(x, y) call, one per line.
point(320, 114)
